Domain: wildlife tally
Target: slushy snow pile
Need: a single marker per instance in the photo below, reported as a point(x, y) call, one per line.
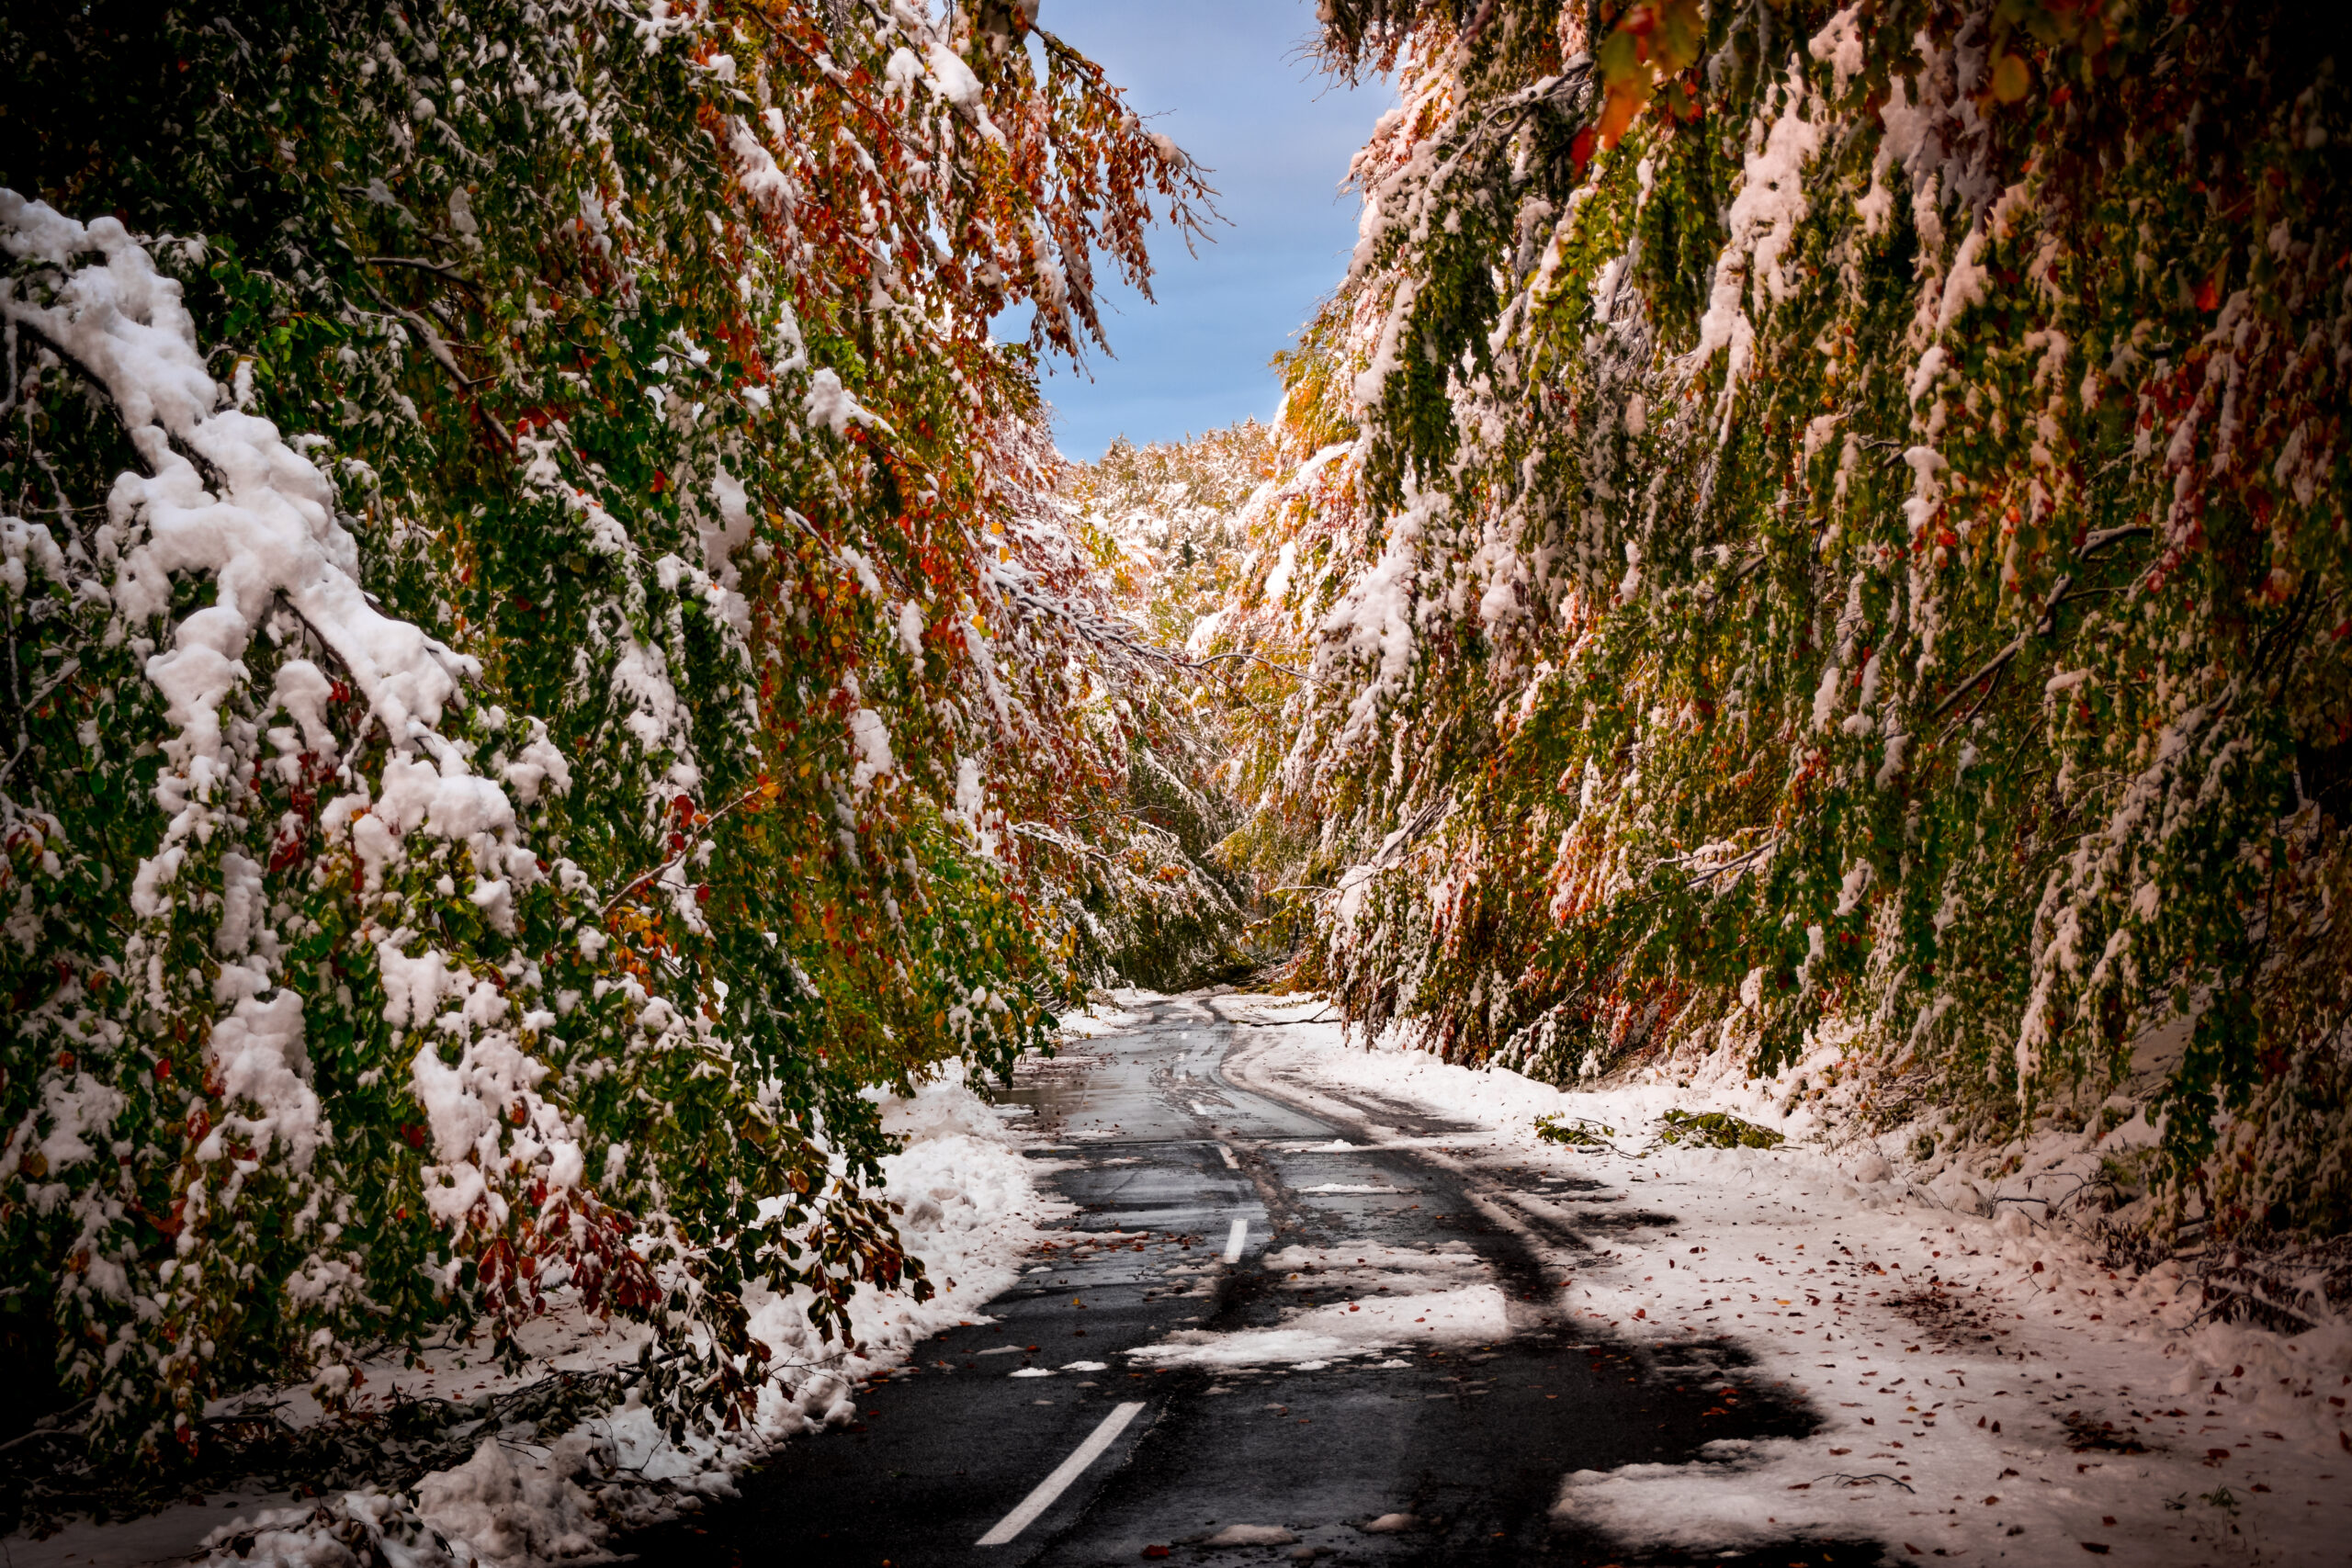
point(1980, 1377)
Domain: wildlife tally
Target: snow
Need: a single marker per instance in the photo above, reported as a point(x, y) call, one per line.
point(227, 501)
point(871, 738)
point(1396, 1296)
point(1762, 223)
point(1251, 1535)
point(1904, 1304)
point(971, 807)
point(75, 1105)
point(514, 1508)
point(257, 1050)
point(1375, 617)
point(973, 1209)
point(952, 79)
point(1097, 1019)
point(1840, 45)
point(271, 529)
point(830, 406)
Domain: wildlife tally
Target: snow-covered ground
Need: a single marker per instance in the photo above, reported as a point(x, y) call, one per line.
point(973, 1207)
point(1986, 1385)
point(1987, 1388)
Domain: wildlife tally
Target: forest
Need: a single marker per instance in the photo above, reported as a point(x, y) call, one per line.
point(552, 657)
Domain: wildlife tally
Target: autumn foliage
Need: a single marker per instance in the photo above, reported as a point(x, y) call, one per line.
point(541, 654)
point(1820, 532)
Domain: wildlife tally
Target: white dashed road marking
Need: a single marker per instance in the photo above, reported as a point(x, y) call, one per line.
point(1233, 1243)
point(1070, 1470)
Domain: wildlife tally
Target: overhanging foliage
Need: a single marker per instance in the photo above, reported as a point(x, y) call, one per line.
point(1861, 558)
point(534, 618)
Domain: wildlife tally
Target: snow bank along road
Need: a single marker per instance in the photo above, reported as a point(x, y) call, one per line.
point(1313, 1320)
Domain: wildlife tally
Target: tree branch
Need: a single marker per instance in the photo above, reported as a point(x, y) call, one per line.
point(699, 834)
point(422, 263)
point(1257, 659)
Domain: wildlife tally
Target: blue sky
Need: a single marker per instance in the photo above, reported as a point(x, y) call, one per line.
point(1229, 81)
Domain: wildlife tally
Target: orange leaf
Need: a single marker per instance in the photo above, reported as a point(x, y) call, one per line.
point(1623, 103)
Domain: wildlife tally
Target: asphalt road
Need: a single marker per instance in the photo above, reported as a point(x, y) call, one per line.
point(1168, 1137)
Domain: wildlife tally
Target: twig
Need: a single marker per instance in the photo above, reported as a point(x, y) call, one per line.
point(1586, 1138)
point(2060, 592)
point(436, 346)
point(1046, 835)
point(1417, 827)
point(1737, 863)
point(1991, 669)
point(1259, 658)
point(422, 263)
point(1840, 1475)
point(2100, 538)
point(699, 834)
point(41, 335)
point(57, 1428)
point(1111, 637)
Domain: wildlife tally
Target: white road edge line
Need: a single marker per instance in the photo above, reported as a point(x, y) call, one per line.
point(1070, 1470)
point(1233, 1243)
point(1230, 1163)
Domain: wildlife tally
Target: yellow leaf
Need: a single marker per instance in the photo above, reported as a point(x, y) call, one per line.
point(1681, 33)
point(2010, 78)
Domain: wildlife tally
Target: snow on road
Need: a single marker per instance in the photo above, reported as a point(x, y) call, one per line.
point(1986, 1385)
point(1394, 1296)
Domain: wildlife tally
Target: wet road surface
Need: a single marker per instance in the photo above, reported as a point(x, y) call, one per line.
point(1216, 1207)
